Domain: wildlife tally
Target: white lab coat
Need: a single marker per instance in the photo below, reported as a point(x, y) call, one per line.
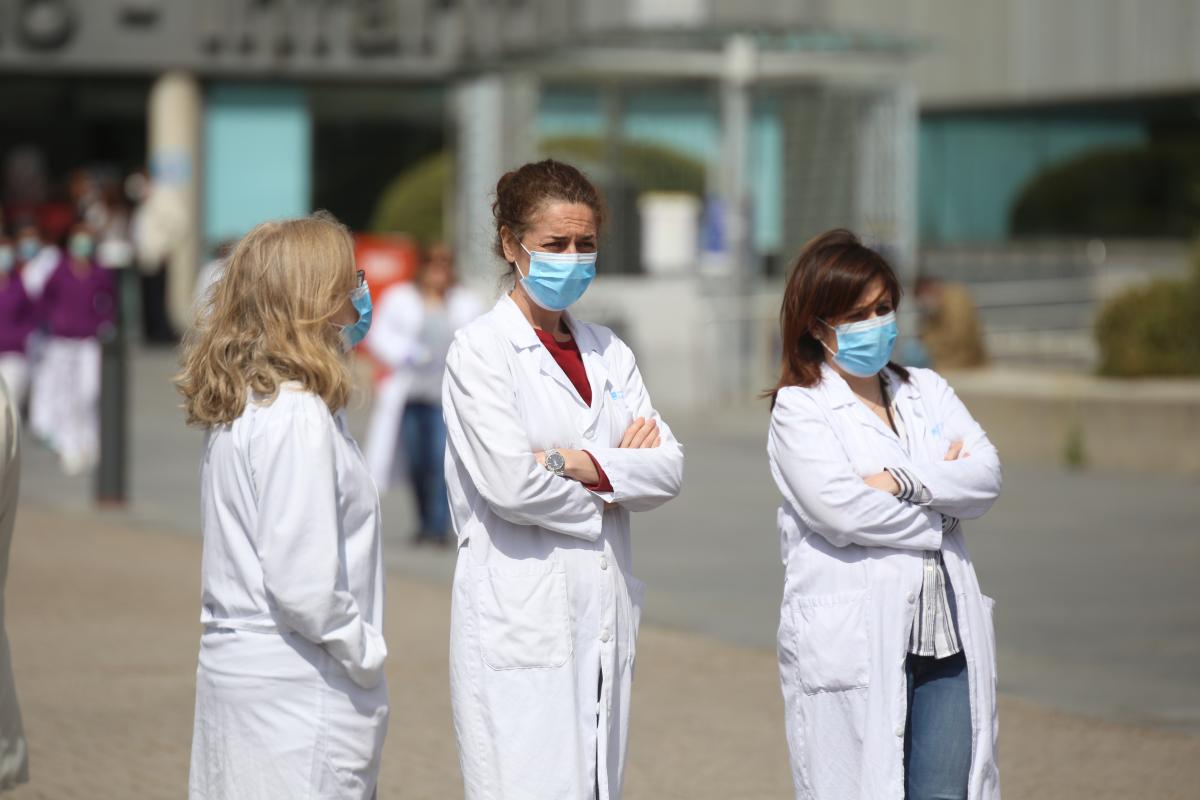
point(853, 572)
point(545, 608)
point(14, 756)
point(394, 341)
point(290, 695)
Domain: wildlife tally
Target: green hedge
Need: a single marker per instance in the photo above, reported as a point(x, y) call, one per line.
point(414, 202)
point(1152, 330)
point(645, 166)
point(1144, 191)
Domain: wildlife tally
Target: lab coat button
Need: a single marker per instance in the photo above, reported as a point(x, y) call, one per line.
point(603, 562)
point(590, 435)
point(912, 598)
point(900, 731)
point(604, 635)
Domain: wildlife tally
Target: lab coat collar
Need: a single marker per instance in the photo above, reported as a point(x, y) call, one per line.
point(838, 393)
point(514, 324)
point(524, 337)
point(905, 395)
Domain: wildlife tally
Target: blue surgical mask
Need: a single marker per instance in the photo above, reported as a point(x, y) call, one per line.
point(81, 246)
point(28, 248)
point(556, 280)
point(8, 259)
point(360, 298)
point(864, 348)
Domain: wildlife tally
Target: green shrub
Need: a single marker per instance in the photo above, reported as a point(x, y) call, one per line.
point(1151, 330)
point(645, 166)
point(1142, 191)
point(414, 202)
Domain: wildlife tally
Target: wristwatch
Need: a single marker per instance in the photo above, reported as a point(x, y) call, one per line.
point(556, 462)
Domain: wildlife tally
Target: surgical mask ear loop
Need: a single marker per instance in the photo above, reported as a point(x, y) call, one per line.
point(517, 264)
point(822, 341)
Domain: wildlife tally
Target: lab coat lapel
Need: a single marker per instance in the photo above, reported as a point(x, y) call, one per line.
point(916, 420)
point(525, 339)
point(842, 398)
point(597, 370)
point(550, 368)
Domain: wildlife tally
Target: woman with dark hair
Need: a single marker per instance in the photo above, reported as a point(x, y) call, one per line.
point(552, 442)
point(886, 645)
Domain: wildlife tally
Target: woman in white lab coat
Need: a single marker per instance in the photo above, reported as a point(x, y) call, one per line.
point(410, 336)
point(552, 442)
point(886, 645)
point(290, 694)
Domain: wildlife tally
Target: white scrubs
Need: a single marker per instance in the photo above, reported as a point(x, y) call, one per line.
point(290, 695)
point(65, 406)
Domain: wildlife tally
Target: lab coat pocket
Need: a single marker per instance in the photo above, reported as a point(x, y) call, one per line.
point(523, 618)
point(832, 653)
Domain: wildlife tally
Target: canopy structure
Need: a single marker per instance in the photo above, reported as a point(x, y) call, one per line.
point(797, 131)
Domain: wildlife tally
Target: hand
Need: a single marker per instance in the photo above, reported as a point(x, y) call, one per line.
point(641, 433)
point(956, 451)
point(884, 482)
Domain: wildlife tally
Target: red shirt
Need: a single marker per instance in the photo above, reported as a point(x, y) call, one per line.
point(570, 360)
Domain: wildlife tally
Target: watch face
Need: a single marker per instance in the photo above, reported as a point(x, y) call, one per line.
point(555, 461)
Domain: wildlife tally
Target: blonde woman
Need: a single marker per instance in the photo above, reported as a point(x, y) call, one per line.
point(290, 695)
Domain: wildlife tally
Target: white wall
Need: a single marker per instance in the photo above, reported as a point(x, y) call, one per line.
point(996, 51)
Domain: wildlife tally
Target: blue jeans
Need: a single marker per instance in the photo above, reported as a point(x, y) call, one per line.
point(423, 432)
point(937, 736)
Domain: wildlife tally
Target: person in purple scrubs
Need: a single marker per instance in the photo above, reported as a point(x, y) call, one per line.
point(79, 300)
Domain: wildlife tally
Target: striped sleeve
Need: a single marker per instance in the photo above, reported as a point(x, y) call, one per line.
point(911, 488)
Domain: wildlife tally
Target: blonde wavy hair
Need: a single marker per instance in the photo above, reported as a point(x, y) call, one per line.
point(268, 319)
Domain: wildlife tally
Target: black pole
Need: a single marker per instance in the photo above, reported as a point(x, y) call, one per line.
point(112, 469)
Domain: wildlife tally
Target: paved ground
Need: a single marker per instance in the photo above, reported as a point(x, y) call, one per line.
point(102, 619)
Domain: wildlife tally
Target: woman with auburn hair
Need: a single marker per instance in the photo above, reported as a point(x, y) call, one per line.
point(553, 442)
point(290, 694)
point(886, 646)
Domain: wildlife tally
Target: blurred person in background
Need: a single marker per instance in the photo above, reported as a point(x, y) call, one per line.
point(158, 223)
point(14, 758)
point(291, 699)
point(552, 443)
point(36, 259)
point(114, 247)
point(410, 336)
point(78, 301)
point(949, 324)
point(887, 653)
point(18, 319)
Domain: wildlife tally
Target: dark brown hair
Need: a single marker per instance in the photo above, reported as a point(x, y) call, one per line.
point(828, 277)
point(521, 193)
